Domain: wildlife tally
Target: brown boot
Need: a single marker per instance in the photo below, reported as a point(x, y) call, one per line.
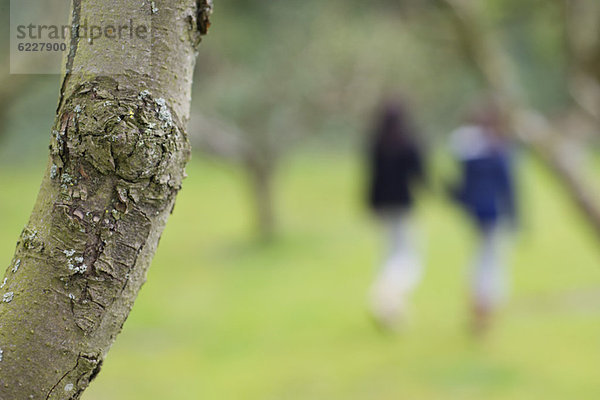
point(481, 319)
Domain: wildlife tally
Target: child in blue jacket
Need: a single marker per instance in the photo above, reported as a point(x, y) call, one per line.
point(487, 194)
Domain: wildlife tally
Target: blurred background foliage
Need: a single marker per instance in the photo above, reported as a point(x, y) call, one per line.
point(280, 76)
point(284, 94)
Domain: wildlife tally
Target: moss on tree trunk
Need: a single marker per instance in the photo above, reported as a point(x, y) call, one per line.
point(117, 156)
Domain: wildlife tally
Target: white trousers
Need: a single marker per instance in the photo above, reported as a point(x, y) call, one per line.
point(402, 269)
point(488, 281)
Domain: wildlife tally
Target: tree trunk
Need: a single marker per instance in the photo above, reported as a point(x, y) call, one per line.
point(227, 141)
point(117, 158)
point(262, 190)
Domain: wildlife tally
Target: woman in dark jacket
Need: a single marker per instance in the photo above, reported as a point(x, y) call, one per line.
point(396, 168)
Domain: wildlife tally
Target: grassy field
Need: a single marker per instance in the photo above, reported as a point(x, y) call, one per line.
point(223, 317)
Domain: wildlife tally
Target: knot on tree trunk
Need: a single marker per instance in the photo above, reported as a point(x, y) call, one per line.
point(118, 131)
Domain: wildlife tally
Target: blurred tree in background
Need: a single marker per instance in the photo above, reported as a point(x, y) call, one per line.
point(558, 132)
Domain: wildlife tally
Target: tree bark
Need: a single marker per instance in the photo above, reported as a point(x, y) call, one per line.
point(117, 157)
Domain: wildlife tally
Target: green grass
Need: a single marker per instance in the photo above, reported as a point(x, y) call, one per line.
point(223, 317)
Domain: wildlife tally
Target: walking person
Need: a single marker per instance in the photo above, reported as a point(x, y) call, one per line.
point(396, 167)
point(487, 194)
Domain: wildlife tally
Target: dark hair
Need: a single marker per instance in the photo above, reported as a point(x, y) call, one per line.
point(394, 130)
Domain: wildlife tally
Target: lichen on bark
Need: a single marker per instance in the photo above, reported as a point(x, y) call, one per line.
point(119, 163)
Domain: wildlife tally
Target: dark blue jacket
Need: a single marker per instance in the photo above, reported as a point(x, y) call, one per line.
point(487, 190)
